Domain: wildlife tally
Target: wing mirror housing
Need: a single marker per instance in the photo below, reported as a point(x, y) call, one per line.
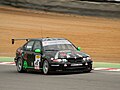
point(37, 51)
point(78, 48)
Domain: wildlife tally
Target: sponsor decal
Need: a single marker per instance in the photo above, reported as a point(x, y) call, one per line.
point(25, 65)
point(76, 64)
point(37, 62)
point(55, 65)
point(46, 43)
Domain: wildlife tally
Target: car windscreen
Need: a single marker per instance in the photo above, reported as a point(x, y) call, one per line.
point(58, 45)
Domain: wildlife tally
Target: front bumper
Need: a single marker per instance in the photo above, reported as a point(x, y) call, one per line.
point(71, 66)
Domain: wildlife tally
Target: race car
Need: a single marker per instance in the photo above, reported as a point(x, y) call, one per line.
point(51, 54)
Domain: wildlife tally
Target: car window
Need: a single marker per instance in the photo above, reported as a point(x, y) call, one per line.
point(37, 45)
point(28, 46)
point(59, 47)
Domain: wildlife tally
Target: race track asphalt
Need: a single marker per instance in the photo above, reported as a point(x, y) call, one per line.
point(10, 79)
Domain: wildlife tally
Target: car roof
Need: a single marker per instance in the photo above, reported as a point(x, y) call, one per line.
point(48, 39)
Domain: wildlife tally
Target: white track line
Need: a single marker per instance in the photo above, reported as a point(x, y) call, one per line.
point(107, 69)
point(7, 63)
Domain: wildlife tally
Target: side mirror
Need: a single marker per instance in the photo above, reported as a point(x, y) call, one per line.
point(37, 51)
point(78, 48)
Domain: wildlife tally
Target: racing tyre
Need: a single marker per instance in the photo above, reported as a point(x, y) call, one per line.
point(46, 67)
point(20, 66)
point(88, 70)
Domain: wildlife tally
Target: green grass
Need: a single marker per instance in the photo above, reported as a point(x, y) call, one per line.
point(106, 65)
point(6, 59)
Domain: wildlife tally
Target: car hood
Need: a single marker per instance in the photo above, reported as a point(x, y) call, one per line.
point(66, 54)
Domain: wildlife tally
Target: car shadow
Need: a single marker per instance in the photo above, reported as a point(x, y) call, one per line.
point(58, 73)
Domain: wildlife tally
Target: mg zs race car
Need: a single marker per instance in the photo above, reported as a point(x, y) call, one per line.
point(51, 54)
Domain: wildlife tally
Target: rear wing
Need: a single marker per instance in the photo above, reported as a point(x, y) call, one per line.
point(13, 40)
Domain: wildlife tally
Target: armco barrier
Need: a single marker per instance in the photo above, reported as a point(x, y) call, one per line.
point(69, 6)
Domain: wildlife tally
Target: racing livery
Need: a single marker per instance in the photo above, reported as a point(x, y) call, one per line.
point(51, 54)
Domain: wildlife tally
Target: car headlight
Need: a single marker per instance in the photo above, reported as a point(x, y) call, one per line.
point(88, 58)
point(84, 59)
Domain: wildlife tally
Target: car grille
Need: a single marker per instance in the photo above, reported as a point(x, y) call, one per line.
point(73, 60)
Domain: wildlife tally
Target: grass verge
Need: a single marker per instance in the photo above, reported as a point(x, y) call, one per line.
point(106, 65)
point(6, 59)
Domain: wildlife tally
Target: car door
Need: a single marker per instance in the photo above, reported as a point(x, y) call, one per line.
point(28, 55)
point(37, 56)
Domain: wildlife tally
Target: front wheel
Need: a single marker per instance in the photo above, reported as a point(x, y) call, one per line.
point(46, 68)
point(20, 65)
point(88, 70)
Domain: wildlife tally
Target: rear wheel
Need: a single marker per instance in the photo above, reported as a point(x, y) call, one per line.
point(20, 65)
point(46, 68)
